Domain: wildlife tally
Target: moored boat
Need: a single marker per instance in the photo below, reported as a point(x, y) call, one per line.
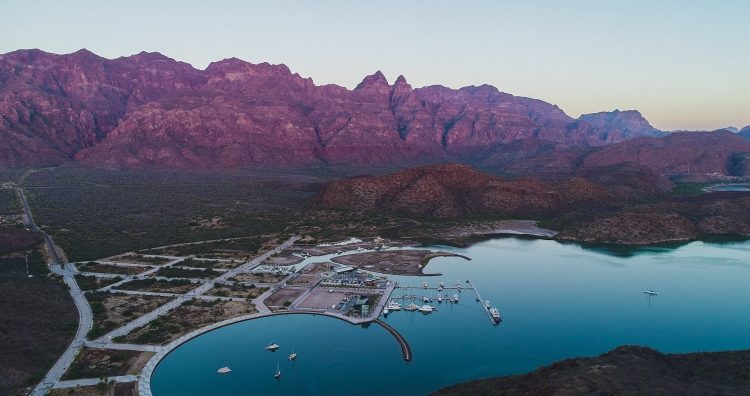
point(224, 370)
point(495, 314)
point(426, 308)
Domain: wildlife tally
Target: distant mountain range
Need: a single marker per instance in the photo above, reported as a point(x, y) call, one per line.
point(148, 110)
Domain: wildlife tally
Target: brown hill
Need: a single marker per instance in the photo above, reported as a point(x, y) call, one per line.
point(452, 190)
point(628, 370)
point(718, 152)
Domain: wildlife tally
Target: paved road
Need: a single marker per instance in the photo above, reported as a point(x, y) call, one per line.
point(143, 320)
point(85, 318)
point(85, 321)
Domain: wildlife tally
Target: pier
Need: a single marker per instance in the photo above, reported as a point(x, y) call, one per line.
point(405, 348)
point(456, 288)
point(481, 302)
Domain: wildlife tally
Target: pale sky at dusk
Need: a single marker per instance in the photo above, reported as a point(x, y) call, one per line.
point(683, 64)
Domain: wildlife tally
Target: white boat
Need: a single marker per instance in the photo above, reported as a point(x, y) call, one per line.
point(455, 298)
point(440, 298)
point(385, 311)
point(495, 314)
point(293, 355)
point(277, 374)
point(224, 370)
point(412, 307)
point(426, 308)
point(651, 292)
point(272, 347)
point(487, 303)
point(425, 285)
point(393, 306)
point(426, 299)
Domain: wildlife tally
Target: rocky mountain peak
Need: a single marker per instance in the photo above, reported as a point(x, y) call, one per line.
point(374, 81)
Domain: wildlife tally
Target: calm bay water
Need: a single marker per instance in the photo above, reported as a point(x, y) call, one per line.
point(557, 301)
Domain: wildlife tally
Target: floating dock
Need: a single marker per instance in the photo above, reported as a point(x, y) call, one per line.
point(459, 288)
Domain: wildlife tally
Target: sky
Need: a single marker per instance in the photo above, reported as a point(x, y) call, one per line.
point(683, 64)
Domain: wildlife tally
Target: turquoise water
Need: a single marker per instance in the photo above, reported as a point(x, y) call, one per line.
point(730, 187)
point(557, 300)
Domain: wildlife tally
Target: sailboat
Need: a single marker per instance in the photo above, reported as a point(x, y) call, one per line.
point(277, 374)
point(651, 292)
point(293, 355)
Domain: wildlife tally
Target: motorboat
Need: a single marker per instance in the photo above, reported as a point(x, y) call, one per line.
point(272, 347)
point(426, 308)
point(224, 370)
point(426, 299)
point(440, 298)
point(385, 311)
point(425, 285)
point(455, 298)
point(393, 306)
point(495, 314)
point(277, 374)
point(487, 303)
point(293, 355)
point(412, 307)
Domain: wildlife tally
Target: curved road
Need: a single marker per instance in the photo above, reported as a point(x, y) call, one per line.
point(85, 317)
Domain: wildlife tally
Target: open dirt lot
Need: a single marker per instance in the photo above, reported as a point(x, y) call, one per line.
point(112, 310)
point(185, 318)
point(97, 363)
point(282, 296)
point(153, 285)
point(122, 389)
point(396, 262)
point(239, 291)
point(259, 277)
point(320, 298)
point(93, 266)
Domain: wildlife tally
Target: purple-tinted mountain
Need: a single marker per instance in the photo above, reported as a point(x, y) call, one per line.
point(148, 110)
point(618, 126)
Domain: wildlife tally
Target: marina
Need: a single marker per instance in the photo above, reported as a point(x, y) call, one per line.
point(492, 312)
point(605, 289)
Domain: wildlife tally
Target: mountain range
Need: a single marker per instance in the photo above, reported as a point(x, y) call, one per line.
point(148, 110)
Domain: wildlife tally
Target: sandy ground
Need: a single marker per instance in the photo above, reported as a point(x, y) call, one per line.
point(517, 227)
point(397, 262)
point(117, 304)
point(278, 298)
point(320, 298)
